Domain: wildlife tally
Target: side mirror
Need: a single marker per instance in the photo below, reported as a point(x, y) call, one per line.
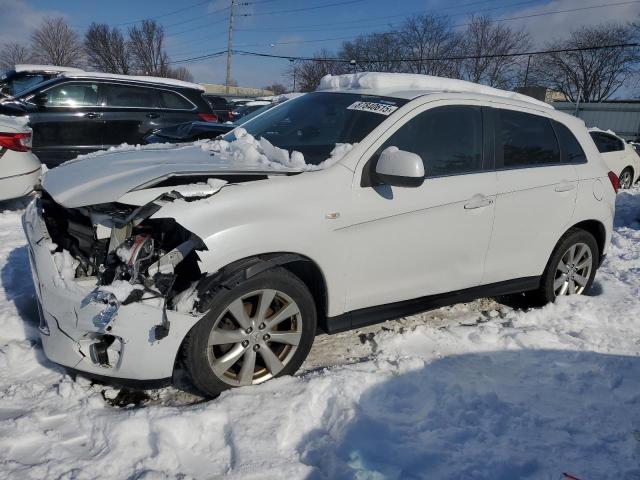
point(40, 99)
point(398, 168)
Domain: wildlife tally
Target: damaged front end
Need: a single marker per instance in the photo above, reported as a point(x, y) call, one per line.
point(116, 286)
point(132, 257)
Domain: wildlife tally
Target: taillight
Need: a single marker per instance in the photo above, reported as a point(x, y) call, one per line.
point(615, 182)
point(208, 117)
point(19, 142)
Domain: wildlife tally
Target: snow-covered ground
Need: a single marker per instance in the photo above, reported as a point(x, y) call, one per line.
point(478, 390)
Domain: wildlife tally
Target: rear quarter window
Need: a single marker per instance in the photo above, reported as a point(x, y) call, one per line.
point(607, 143)
point(570, 149)
point(174, 101)
point(526, 140)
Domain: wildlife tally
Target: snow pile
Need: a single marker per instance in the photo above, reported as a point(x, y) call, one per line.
point(412, 81)
point(66, 266)
point(478, 390)
point(247, 150)
point(120, 289)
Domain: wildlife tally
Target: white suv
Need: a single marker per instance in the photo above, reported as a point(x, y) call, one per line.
point(377, 196)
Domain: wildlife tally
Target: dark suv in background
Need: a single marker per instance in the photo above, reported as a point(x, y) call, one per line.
point(77, 113)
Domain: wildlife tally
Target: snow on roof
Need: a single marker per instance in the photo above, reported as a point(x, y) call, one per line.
point(418, 83)
point(134, 78)
point(596, 129)
point(28, 67)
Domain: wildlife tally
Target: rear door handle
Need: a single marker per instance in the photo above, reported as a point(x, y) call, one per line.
point(153, 115)
point(565, 186)
point(92, 115)
point(478, 201)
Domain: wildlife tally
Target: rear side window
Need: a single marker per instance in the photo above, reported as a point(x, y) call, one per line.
point(130, 96)
point(174, 101)
point(607, 143)
point(570, 149)
point(526, 140)
point(448, 139)
point(73, 95)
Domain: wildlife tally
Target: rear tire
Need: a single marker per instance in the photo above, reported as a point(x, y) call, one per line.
point(626, 178)
point(259, 329)
point(571, 268)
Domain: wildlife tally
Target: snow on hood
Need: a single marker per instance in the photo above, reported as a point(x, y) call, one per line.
point(412, 81)
point(106, 176)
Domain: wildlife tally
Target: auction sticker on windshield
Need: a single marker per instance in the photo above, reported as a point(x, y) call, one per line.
point(381, 108)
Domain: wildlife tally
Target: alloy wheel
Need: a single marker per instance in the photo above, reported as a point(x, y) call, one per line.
point(255, 337)
point(573, 270)
point(625, 179)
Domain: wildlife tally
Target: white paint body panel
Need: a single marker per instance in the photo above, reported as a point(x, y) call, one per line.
point(19, 171)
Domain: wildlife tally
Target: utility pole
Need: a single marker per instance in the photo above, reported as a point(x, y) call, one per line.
point(230, 45)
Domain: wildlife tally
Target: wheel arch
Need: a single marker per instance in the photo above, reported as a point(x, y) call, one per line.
point(302, 266)
point(595, 228)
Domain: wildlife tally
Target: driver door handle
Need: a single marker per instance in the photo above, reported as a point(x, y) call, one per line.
point(478, 201)
point(153, 115)
point(92, 115)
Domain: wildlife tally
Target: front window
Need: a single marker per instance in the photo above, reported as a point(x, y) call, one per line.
point(314, 123)
point(73, 95)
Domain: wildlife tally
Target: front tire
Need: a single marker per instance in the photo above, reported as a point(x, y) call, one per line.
point(572, 266)
point(259, 329)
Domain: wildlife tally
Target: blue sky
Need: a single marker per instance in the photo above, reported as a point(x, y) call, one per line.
point(263, 27)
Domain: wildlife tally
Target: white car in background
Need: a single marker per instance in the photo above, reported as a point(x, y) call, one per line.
point(619, 155)
point(376, 197)
point(19, 168)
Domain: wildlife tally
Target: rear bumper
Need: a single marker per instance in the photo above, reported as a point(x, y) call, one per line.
point(70, 323)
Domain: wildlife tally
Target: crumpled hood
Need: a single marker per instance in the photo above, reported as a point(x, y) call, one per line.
point(105, 177)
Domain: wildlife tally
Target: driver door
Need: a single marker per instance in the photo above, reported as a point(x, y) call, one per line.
point(69, 123)
point(405, 243)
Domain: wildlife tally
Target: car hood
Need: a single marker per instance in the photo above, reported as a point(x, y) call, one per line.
point(106, 177)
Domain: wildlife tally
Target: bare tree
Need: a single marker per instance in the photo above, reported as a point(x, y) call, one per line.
point(13, 53)
point(380, 52)
point(488, 43)
point(179, 73)
point(146, 44)
point(428, 36)
point(589, 75)
point(106, 49)
point(309, 72)
point(54, 42)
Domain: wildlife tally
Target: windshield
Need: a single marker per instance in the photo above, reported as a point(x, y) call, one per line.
point(314, 123)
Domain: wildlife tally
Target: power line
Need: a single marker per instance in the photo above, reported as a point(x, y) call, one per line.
point(521, 17)
point(193, 19)
point(361, 25)
point(304, 9)
point(434, 59)
point(405, 15)
point(164, 14)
